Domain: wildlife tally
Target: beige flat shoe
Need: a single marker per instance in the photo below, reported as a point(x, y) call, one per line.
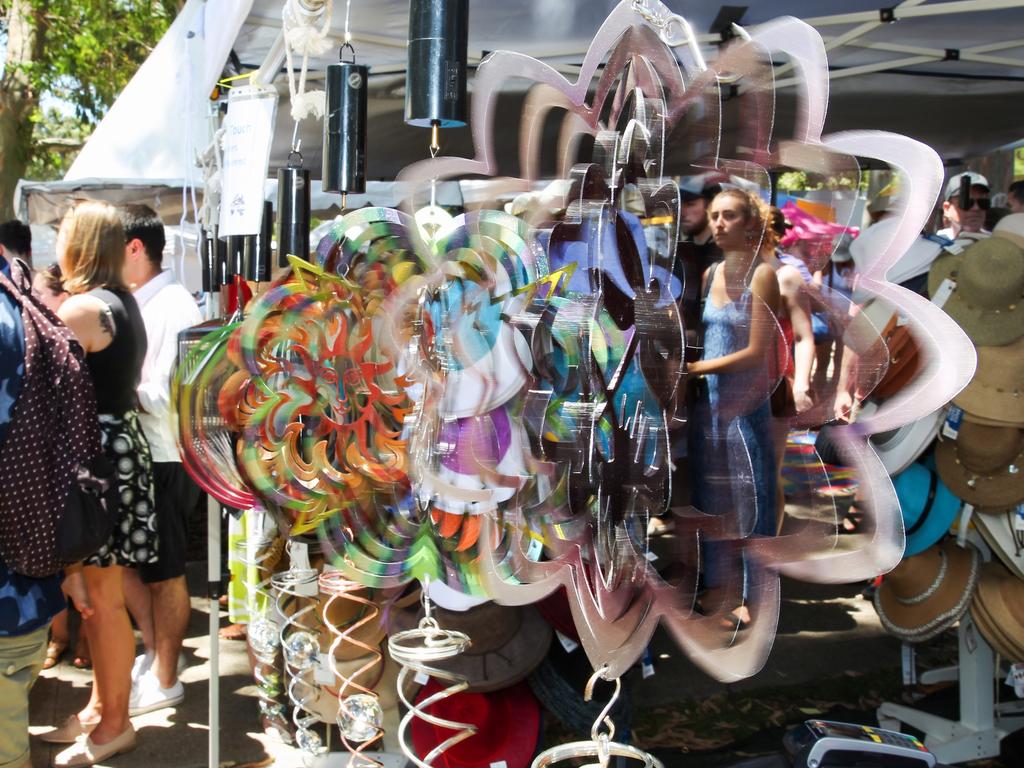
point(69, 732)
point(84, 752)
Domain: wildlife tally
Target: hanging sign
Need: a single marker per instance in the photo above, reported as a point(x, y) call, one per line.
point(248, 130)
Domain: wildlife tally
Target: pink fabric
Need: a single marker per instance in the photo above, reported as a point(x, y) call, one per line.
point(809, 227)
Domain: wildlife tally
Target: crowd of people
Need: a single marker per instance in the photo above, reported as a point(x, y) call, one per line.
point(108, 287)
point(761, 295)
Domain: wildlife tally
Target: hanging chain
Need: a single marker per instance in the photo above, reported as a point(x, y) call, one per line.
point(668, 25)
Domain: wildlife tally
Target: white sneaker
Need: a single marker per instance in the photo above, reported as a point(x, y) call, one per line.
point(144, 663)
point(148, 696)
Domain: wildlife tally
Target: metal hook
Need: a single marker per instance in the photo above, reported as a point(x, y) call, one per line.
point(602, 718)
point(341, 53)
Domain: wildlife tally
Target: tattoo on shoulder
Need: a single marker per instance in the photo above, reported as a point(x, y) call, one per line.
point(107, 321)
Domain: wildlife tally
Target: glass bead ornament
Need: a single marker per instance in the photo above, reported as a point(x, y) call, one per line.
point(309, 741)
point(301, 650)
point(263, 636)
point(360, 717)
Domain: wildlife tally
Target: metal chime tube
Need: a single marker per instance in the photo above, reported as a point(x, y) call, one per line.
point(435, 92)
point(344, 168)
point(236, 258)
point(208, 249)
point(293, 212)
point(221, 259)
point(262, 265)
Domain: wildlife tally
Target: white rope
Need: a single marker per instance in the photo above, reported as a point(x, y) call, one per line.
point(302, 37)
point(348, 11)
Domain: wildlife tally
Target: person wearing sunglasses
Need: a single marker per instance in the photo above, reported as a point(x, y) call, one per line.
point(960, 217)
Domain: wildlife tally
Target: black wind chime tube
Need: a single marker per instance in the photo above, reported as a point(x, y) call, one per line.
point(236, 258)
point(344, 168)
point(208, 249)
point(435, 85)
point(261, 263)
point(292, 210)
point(220, 256)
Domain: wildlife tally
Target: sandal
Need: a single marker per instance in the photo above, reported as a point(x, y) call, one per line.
point(83, 659)
point(55, 650)
point(850, 522)
point(233, 632)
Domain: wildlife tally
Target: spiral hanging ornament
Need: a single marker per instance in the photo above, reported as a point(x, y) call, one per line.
point(360, 715)
point(602, 744)
point(259, 555)
point(301, 651)
point(416, 650)
point(293, 210)
point(344, 156)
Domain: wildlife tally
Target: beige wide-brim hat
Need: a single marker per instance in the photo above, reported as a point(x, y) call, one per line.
point(988, 301)
point(983, 465)
point(996, 528)
point(996, 393)
point(997, 610)
point(928, 593)
point(507, 642)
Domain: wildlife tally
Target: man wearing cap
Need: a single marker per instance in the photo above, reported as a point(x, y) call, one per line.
point(965, 220)
point(697, 250)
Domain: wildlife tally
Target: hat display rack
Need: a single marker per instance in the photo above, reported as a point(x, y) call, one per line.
point(435, 400)
point(979, 458)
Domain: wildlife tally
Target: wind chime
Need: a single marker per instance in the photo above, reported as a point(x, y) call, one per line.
point(435, 82)
point(344, 154)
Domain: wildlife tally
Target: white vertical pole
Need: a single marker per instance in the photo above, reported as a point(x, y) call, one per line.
point(213, 589)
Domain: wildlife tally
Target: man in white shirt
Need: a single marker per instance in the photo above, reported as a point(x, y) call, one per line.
point(156, 593)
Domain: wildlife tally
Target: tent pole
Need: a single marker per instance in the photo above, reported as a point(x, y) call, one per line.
point(881, 66)
point(213, 588)
point(956, 6)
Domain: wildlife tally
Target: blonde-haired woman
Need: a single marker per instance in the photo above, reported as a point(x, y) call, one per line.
point(106, 320)
point(733, 459)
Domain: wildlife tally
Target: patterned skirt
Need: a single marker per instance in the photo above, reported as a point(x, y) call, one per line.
point(134, 538)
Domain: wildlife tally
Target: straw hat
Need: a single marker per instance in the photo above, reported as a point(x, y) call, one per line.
point(996, 528)
point(988, 301)
point(996, 393)
point(507, 642)
point(928, 593)
point(983, 465)
point(997, 610)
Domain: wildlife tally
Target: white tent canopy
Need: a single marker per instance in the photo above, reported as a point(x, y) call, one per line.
point(948, 73)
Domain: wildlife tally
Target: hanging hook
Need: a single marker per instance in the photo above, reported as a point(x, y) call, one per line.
point(602, 718)
point(351, 49)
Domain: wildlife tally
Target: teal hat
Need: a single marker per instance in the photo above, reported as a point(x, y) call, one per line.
point(928, 506)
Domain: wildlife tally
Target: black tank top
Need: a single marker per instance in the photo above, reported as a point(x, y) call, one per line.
point(116, 369)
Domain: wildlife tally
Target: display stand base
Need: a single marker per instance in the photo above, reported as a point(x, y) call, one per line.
point(983, 724)
point(341, 760)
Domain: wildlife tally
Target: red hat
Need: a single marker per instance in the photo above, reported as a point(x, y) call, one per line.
point(507, 727)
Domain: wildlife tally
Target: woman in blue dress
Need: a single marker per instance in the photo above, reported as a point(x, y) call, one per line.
point(734, 463)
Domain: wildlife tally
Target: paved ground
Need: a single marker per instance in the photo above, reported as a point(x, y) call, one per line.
point(823, 633)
